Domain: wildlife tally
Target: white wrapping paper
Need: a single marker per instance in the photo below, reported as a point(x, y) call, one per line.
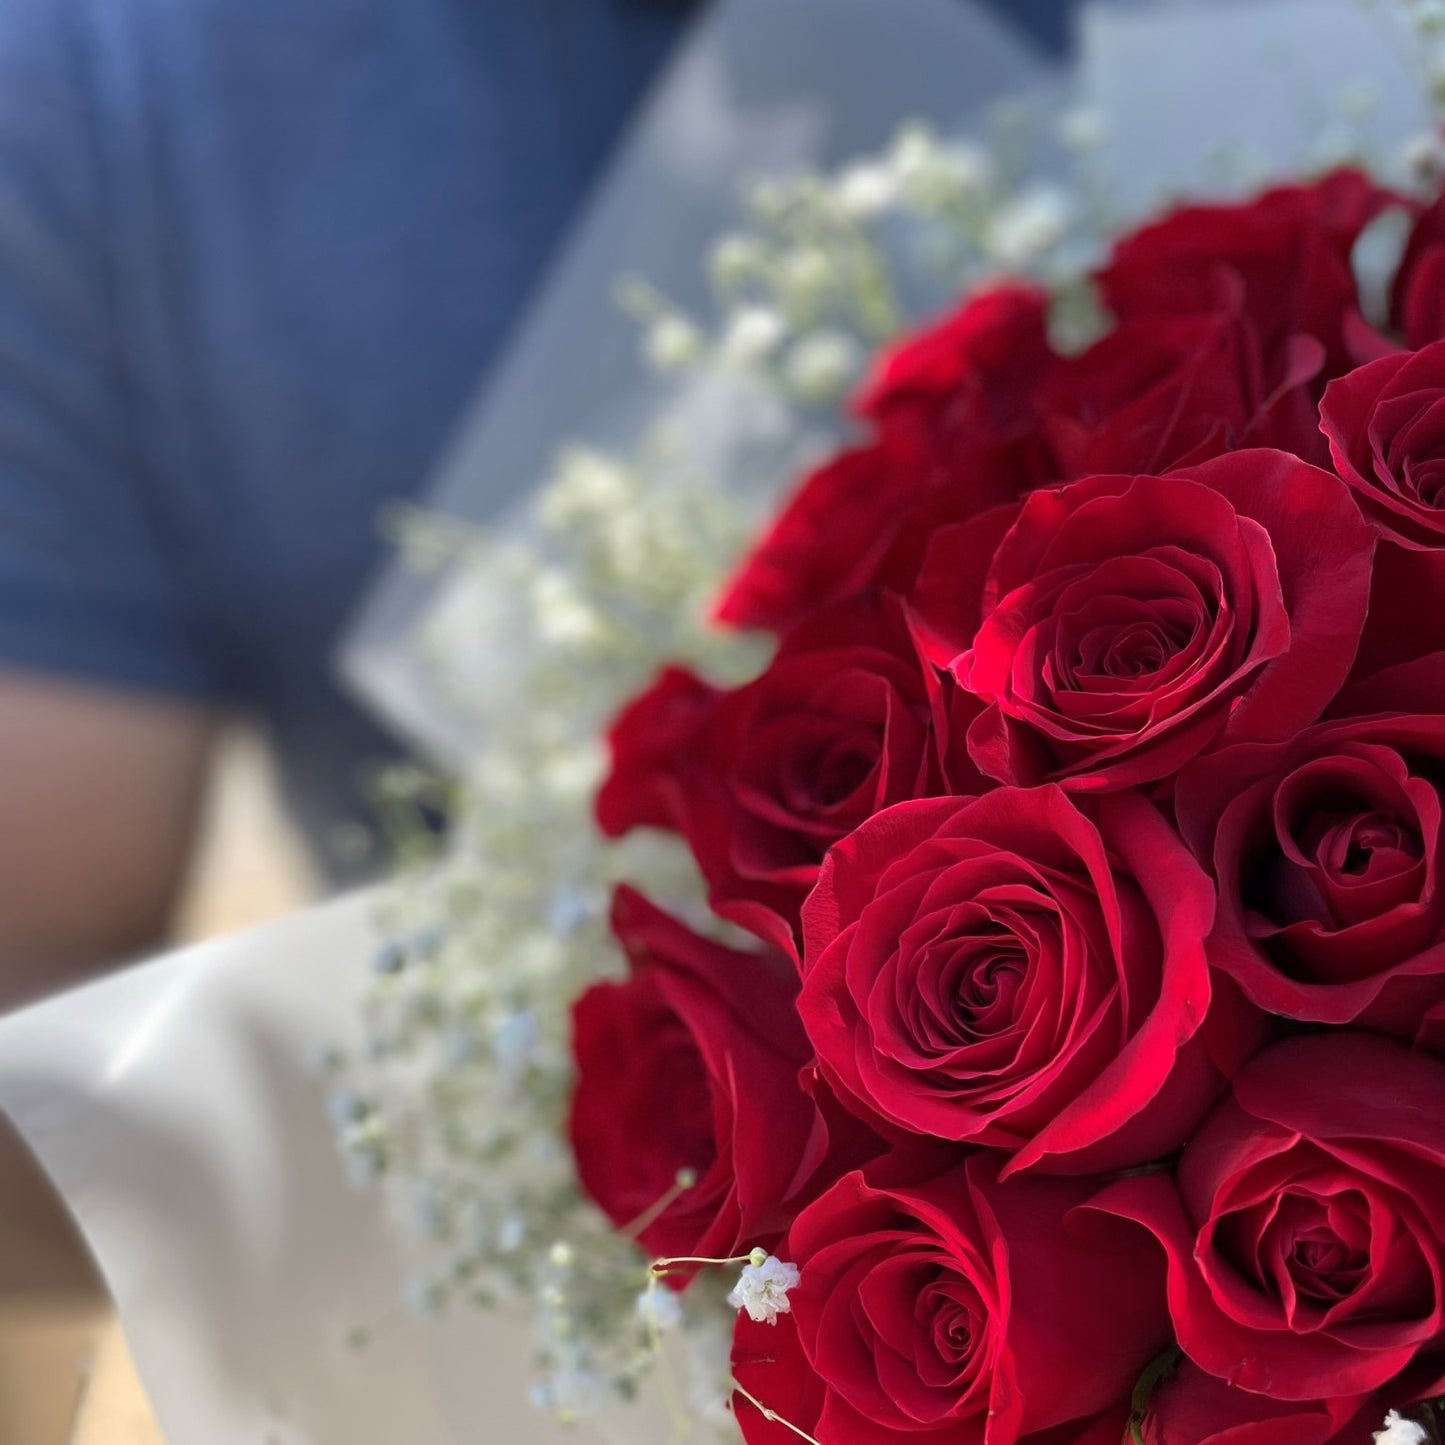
point(177, 1108)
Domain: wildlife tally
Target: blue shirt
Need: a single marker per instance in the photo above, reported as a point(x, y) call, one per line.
point(255, 255)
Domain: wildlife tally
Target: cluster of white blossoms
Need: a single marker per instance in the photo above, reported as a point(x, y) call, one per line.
point(1401, 1431)
point(808, 286)
point(762, 1289)
point(456, 1101)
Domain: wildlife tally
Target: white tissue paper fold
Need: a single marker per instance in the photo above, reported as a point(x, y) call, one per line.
point(179, 1111)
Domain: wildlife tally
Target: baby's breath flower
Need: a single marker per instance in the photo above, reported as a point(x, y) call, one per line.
point(866, 189)
point(753, 333)
point(1028, 226)
point(588, 485)
point(659, 1309)
point(1400, 1431)
point(820, 364)
point(803, 276)
point(564, 614)
point(965, 165)
point(672, 343)
point(736, 258)
point(763, 1289)
point(914, 152)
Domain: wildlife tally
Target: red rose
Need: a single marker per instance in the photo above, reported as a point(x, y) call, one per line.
point(946, 1307)
point(764, 779)
point(1287, 252)
point(1005, 971)
point(1417, 302)
point(1329, 857)
point(1160, 392)
point(1192, 1408)
point(858, 522)
point(956, 435)
point(970, 377)
point(1305, 1233)
point(692, 1064)
point(1385, 423)
point(1132, 622)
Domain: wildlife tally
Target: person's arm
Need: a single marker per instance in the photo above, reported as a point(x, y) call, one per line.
point(108, 672)
point(100, 791)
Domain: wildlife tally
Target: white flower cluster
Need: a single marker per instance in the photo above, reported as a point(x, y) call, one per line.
point(762, 1290)
point(810, 284)
point(1400, 1431)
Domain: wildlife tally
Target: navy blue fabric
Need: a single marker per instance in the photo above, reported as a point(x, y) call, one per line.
point(254, 257)
point(1047, 23)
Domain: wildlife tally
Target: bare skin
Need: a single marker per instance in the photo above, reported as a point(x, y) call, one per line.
point(100, 794)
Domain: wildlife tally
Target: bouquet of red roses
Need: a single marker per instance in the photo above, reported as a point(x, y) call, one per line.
point(1084, 1077)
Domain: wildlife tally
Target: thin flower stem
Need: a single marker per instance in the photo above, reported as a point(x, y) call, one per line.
point(773, 1416)
point(666, 1266)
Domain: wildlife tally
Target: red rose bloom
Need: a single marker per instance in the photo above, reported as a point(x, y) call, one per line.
point(692, 1064)
point(1329, 857)
point(1190, 1407)
point(764, 779)
point(968, 379)
point(1386, 427)
point(1287, 252)
point(946, 1307)
point(1132, 622)
point(956, 435)
point(857, 522)
point(1305, 1234)
point(1160, 392)
point(1006, 971)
